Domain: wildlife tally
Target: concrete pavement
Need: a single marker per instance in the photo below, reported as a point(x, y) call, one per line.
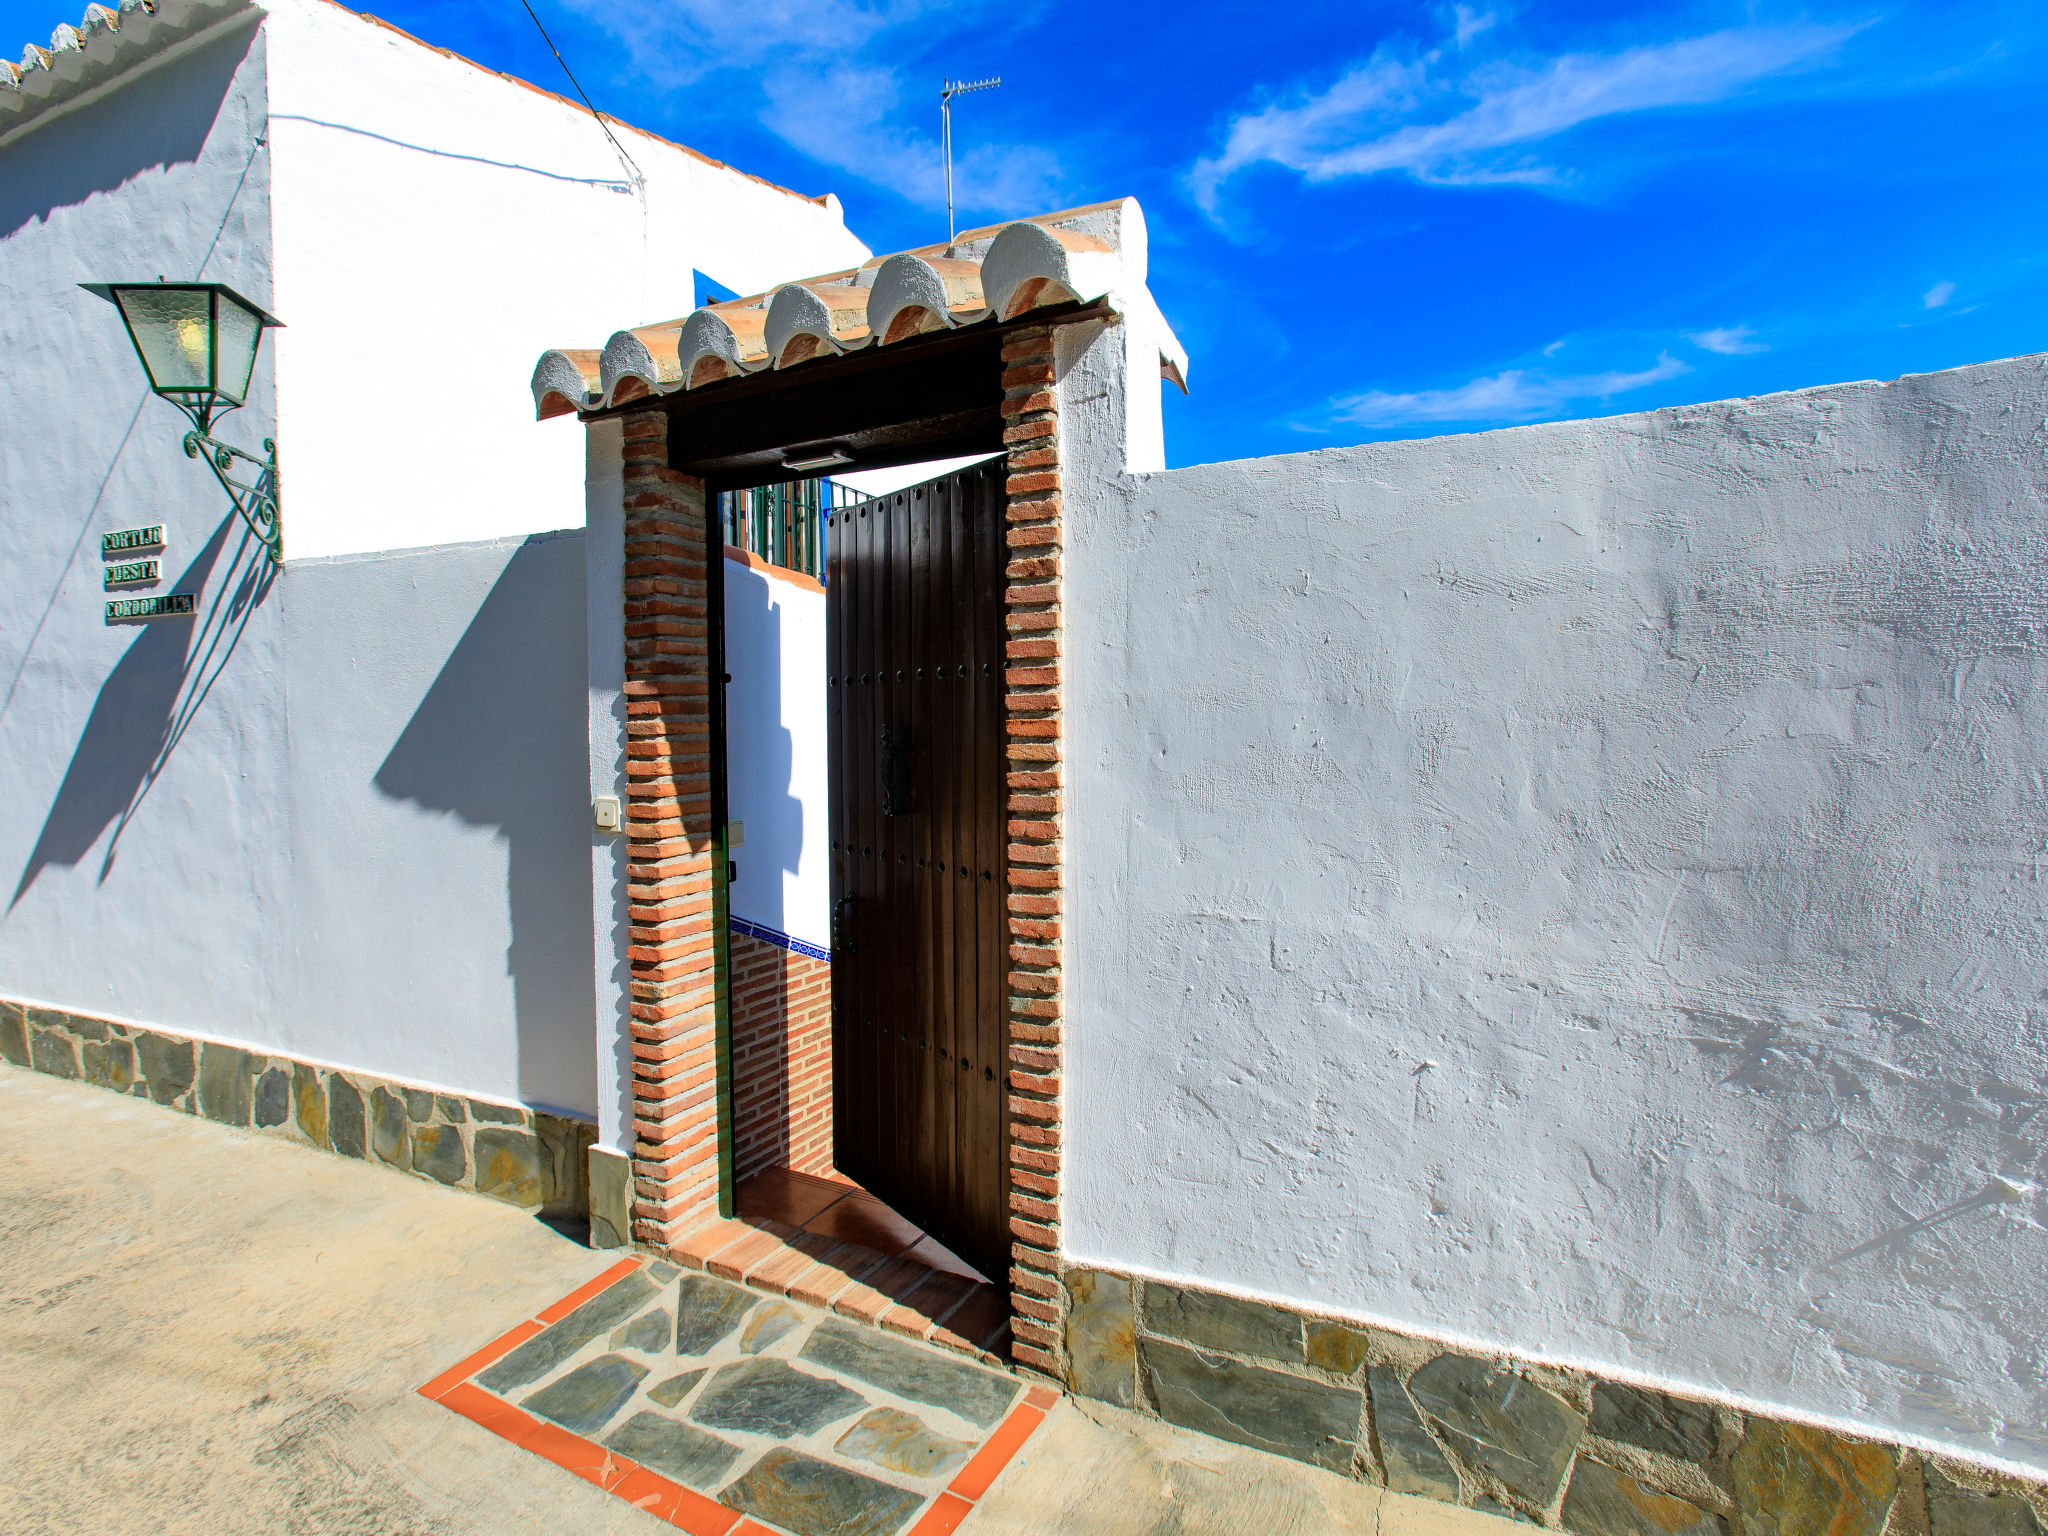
point(203, 1333)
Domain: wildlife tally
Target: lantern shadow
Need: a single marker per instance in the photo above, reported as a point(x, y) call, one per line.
point(145, 706)
point(499, 740)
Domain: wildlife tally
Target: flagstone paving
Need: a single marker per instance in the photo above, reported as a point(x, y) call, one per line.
point(765, 1407)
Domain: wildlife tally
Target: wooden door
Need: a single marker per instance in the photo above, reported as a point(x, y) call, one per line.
point(914, 599)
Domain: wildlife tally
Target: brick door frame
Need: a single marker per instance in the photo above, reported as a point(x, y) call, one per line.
point(682, 1145)
point(675, 845)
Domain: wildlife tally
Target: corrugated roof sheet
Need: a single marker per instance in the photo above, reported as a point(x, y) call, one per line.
point(997, 273)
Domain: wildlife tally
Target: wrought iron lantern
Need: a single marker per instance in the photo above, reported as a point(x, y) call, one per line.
point(198, 345)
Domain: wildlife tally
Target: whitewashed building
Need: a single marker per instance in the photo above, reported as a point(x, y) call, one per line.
point(340, 814)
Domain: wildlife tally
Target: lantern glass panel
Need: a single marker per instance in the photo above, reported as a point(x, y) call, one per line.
point(172, 330)
point(238, 332)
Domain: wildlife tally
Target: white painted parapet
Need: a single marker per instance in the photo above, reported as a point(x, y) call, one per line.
point(1576, 890)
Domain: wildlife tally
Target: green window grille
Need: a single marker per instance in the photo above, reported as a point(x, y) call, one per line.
point(785, 524)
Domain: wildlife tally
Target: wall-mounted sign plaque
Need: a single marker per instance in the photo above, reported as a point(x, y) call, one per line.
point(121, 540)
point(176, 605)
point(132, 571)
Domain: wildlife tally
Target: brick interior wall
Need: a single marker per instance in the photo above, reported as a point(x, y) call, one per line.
point(781, 1059)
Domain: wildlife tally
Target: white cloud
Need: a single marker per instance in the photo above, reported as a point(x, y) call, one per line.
point(1728, 340)
point(1939, 294)
point(1391, 114)
point(681, 41)
point(1470, 24)
point(850, 117)
point(816, 73)
point(1513, 395)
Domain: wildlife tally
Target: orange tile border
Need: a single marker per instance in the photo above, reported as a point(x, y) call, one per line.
point(506, 1342)
point(488, 1355)
point(583, 1293)
point(943, 1517)
point(672, 1502)
point(682, 1507)
point(996, 1451)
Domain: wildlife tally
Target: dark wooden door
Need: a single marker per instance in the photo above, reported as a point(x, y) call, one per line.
point(914, 600)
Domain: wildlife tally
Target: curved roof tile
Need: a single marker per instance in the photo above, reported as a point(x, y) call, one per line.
point(914, 294)
point(565, 382)
point(805, 319)
point(1026, 261)
point(1001, 271)
point(721, 341)
point(108, 39)
point(646, 354)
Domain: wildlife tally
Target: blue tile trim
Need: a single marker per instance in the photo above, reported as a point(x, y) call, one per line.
point(777, 936)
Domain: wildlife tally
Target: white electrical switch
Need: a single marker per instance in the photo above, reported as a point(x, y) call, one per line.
point(735, 833)
point(606, 811)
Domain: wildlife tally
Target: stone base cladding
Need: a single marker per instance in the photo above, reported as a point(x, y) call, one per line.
point(522, 1156)
point(781, 1059)
point(1559, 1448)
point(675, 943)
point(1032, 730)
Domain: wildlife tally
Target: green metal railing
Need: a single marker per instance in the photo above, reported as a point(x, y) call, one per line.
point(785, 524)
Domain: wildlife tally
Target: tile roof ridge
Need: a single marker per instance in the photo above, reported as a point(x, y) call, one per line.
point(577, 106)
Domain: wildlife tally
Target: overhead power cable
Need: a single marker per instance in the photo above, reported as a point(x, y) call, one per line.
point(638, 175)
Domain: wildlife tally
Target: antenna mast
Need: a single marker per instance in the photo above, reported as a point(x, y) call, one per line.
point(952, 88)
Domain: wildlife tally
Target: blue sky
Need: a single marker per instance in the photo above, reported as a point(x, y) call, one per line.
point(1376, 221)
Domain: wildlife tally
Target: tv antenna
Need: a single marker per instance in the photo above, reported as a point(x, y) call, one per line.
point(955, 88)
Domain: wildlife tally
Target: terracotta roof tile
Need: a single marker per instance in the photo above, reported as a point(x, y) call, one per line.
point(996, 273)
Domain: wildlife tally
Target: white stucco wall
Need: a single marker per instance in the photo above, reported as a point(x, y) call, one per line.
point(438, 923)
point(438, 227)
point(1577, 889)
point(143, 797)
point(776, 776)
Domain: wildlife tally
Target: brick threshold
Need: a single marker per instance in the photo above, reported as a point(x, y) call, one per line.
point(894, 1291)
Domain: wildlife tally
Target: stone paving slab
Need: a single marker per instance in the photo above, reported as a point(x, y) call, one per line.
point(735, 1404)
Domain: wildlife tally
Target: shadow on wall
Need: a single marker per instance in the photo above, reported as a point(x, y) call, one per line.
point(158, 118)
point(145, 706)
point(760, 757)
point(500, 740)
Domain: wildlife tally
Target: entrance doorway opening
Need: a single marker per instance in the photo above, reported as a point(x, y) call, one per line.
point(868, 1088)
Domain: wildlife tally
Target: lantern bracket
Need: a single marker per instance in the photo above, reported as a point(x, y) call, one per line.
point(257, 501)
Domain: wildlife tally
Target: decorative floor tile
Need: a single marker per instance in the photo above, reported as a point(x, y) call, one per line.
point(729, 1413)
